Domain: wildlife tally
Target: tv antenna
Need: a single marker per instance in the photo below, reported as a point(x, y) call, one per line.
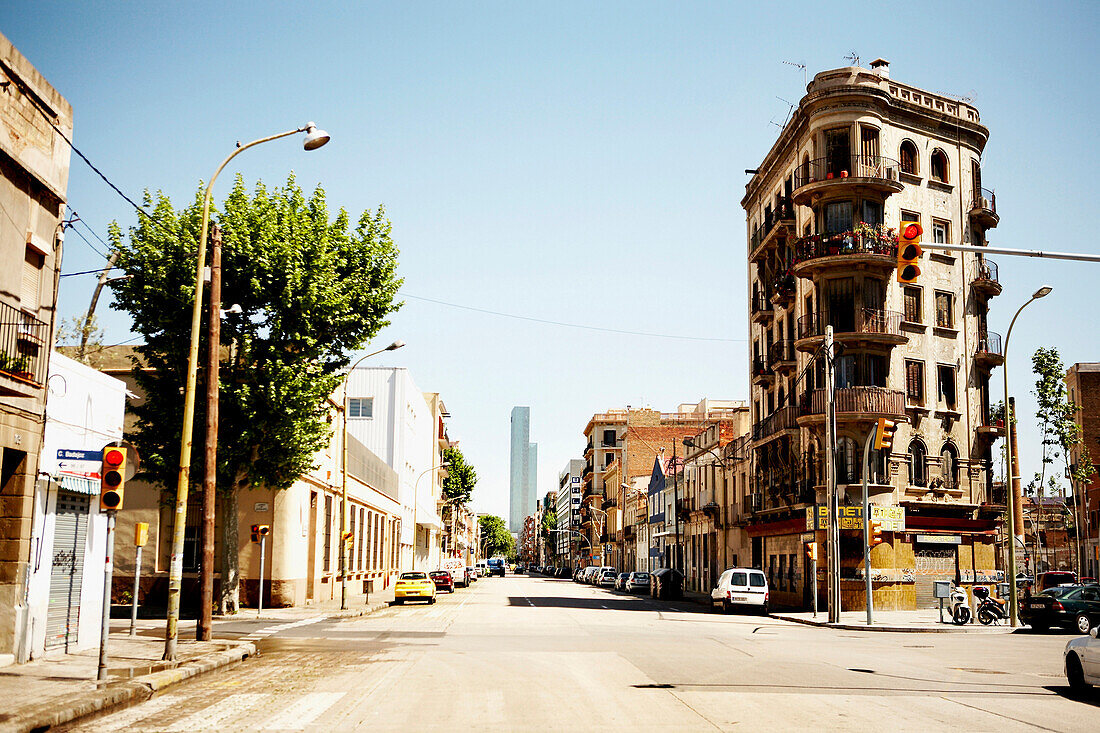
point(853, 57)
point(787, 116)
point(798, 66)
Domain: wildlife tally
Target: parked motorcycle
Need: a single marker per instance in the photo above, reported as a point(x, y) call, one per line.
point(990, 610)
point(960, 606)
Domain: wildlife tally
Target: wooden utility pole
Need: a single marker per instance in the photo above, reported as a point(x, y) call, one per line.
point(210, 464)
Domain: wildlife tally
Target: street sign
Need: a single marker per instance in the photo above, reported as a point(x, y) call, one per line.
point(69, 454)
point(892, 518)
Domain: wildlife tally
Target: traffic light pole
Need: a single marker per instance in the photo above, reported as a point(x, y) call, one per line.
point(832, 556)
point(1008, 251)
point(867, 526)
point(260, 598)
point(108, 567)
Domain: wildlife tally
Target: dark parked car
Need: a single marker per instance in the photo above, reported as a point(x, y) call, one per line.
point(1054, 578)
point(442, 580)
point(620, 582)
point(563, 572)
point(1071, 607)
point(578, 575)
point(666, 583)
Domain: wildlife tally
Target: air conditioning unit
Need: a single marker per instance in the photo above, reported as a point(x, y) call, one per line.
point(982, 203)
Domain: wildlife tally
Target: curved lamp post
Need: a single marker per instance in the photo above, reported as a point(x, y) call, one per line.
point(344, 475)
point(314, 139)
point(1010, 482)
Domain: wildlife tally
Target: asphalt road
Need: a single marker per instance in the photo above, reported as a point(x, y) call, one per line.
point(521, 653)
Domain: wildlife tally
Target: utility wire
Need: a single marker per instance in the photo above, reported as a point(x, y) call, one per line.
point(570, 325)
point(88, 272)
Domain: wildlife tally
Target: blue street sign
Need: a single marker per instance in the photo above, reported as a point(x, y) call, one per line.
point(66, 454)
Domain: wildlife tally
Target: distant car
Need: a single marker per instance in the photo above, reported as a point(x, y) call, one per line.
point(637, 581)
point(563, 572)
point(443, 580)
point(1071, 607)
point(496, 566)
point(471, 574)
point(741, 588)
point(1053, 578)
point(1082, 661)
point(620, 581)
point(589, 572)
point(482, 568)
point(607, 579)
point(578, 575)
point(413, 586)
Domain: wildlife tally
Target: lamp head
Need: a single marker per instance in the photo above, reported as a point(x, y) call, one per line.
point(395, 345)
point(315, 137)
point(1043, 292)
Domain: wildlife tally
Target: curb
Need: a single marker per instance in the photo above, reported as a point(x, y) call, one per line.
point(122, 695)
point(337, 614)
point(894, 629)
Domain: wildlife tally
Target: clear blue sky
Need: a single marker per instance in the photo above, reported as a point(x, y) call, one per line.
point(570, 161)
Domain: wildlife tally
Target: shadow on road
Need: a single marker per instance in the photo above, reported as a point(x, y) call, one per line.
point(606, 603)
point(1090, 696)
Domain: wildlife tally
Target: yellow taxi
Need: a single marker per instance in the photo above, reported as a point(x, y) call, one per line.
point(414, 586)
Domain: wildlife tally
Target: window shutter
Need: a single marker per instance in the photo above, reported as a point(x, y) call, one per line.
point(30, 294)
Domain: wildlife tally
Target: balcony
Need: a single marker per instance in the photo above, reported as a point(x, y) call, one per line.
point(842, 173)
point(781, 357)
point(868, 325)
point(870, 246)
point(777, 224)
point(782, 420)
point(854, 403)
point(762, 311)
point(23, 343)
point(588, 448)
point(988, 353)
point(983, 210)
point(762, 374)
point(785, 289)
point(989, 431)
point(986, 280)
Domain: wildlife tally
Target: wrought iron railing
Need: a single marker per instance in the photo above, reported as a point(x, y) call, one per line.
point(864, 239)
point(781, 419)
point(760, 367)
point(989, 343)
point(846, 166)
point(865, 320)
point(760, 302)
point(984, 198)
point(23, 345)
point(779, 352)
point(860, 399)
point(987, 272)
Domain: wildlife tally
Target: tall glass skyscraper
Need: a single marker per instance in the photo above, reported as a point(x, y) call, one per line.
point(523, 479)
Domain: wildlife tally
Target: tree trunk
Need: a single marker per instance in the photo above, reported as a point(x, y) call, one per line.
point(229, 597)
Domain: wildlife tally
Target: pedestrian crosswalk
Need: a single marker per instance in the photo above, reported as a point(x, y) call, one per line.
point(241, 711)
point(276, 628)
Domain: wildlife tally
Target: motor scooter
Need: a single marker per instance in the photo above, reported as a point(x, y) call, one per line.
point(960, 606)
point(990, 610)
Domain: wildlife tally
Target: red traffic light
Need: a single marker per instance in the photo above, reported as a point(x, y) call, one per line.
point(255, 528)
point(911, 230)
point(114, 457)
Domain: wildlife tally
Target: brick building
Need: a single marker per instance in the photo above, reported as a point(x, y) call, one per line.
point(1083, 388)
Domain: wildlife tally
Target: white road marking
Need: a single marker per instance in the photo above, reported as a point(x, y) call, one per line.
point(275, 629)
point(303, 711)
point(126, 718)
point(216, 713)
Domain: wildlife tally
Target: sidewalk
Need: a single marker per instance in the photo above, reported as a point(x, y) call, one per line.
point(922, 621)
point(357, 606)
point(62, 687)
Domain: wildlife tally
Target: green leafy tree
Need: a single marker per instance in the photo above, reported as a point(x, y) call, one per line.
point(458, 487)
point(312, 290)
point(1059, 431)
point(495, 537)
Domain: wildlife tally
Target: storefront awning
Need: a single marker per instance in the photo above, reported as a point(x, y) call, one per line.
point(77, 484)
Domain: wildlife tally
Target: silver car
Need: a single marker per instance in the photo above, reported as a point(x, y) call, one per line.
point(638, 581)
point(607, 579)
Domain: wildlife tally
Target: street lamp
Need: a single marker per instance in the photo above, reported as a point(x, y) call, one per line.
point(344, 470)
point(416, 505)
point(1010, 490)
point(314, 139)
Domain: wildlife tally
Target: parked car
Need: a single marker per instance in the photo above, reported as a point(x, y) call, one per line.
point(443, 580)
point(482, 568)
point(607, 578)
point(741, 587)
point(1053, 578)
point(413, 586)
point(563, 572)
point(578, 574)
point(1082, 661)
point(1071, 607)
point(589, 573)
point(637, 581)
point(471, 574)
point(666, 583)
point(620, 581)
point(496, 566)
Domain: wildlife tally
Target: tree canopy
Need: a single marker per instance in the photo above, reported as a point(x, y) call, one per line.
point(495, 537)
point(461, 477)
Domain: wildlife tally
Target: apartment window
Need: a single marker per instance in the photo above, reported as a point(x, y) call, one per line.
point(918, 472)
point(945, 309)
point(945, 378)
point(941, 231)
point(872, 212)
point(847, 465)
point(328, 534)
point(914, 382)
point(911, 300)
point(949, 466)
point(838, 217)
point(939, 166)
point(609, 437)
point(361, 407)
point(909, 159)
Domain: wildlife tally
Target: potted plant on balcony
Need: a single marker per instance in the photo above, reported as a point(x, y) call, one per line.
point(17, 365)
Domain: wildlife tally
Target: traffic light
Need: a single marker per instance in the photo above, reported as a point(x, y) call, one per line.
point(909, 251)
point(347, 537)
point(876, 532)
point(811, 550)
point(884, 433)
point(112, 478)
point(259, 531)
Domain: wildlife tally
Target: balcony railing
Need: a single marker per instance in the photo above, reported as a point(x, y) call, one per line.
point(761, 303)
point(860, 399)
point(989, 345)
point(984, 198)
point(760, 368)
point(23, 344)
point(780, 352)
point(781, 419)
point(866, 320)
point(846, 166)
point(987, 271)
point(864, 239)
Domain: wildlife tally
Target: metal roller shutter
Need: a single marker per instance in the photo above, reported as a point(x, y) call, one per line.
point(70, 539)
point(932, 565)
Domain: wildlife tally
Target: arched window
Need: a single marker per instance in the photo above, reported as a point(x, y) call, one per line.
point(918, 471)
point(910, 163)
point(939, 166)
point(949, 465)
point(847, 462)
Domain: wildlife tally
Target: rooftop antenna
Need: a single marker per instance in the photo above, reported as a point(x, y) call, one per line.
point(853, 57)
point(790, 109)
point(798, 66)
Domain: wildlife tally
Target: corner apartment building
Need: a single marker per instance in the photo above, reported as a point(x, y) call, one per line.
point(34, 177)
point(622, 446)
point(523, 469)
point(861, 154)
point(569, 493)
point(1083, 390)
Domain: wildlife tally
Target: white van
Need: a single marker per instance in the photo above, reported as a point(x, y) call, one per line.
point(482, 568)
point(741, 587)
